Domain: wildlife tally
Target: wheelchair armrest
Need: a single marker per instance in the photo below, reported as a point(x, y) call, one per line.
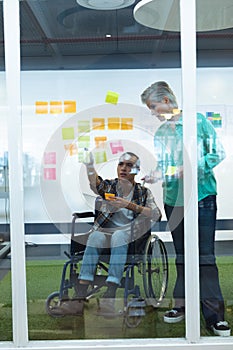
point(87, 214)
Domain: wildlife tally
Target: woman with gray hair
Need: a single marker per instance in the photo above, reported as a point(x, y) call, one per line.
point(168, 145)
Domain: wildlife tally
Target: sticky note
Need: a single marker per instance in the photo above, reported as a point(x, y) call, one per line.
point(68, 133)
point(50, 158)
point(49, 173)
point(114, 123)
point(126, 123)
point(109, 196)
point(171, 170)
point(72, 149)
point(69, 106)
point(81, 154)
point(116, 147)
point(55, 107)
point(100, 141)
point(112, 97)
point(42, 107)
point(84, 142)
point(98, 123)
point(100, 157)
point(83, 126)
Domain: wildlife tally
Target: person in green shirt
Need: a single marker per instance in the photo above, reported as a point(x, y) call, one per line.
point(168, 146)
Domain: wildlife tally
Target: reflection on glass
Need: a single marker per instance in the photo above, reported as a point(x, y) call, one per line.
point(65, 112)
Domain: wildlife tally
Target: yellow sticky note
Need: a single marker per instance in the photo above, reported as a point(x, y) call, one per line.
point(98, 123)
point(112, 97)
point(114, 123)
point(68, 133)
point(69, 106)
point(126, 123)
point(171, 170)
point(55, 107)
point(42, 107)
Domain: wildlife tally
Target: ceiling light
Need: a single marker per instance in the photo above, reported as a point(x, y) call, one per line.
point(105, 4)
point(165, 14)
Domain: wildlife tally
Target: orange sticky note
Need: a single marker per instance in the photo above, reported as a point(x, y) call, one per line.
point(55, 107)
point(98, 123)
point(126, 123)
point(69, 106)
point(42, 107)
point(114, 123)
point(72, 149)
point(100, 140)
point(109, 196)
point(112, 97)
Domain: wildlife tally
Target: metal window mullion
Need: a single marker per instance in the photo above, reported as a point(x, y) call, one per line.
point(188, 63)
point(12, 63)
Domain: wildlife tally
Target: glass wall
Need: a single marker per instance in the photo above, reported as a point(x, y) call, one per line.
point(5, 249)
point(84, 79)
point(215, 104)
point(83, 72)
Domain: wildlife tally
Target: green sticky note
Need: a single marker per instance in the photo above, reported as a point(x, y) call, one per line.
point(84, 126)
point(100, 157)
point(68, 133)
point(84, 142)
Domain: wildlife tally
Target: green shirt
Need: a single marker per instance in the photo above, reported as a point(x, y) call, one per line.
point(168, 142)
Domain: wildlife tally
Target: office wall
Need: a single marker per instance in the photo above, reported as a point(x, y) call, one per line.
point(60, 110)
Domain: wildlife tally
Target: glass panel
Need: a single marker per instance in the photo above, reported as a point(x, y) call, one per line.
point(83, 73)
point(5, 263)
point(214, 49)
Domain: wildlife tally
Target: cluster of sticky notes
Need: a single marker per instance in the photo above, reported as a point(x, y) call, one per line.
point(85, 126)
point(50, 160)
point(55, 107)
point(112, 97)
point(215, 119)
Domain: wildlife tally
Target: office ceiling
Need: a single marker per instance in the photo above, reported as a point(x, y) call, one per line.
point(60, 34)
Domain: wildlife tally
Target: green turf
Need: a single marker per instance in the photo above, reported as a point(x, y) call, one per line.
point(43, 278)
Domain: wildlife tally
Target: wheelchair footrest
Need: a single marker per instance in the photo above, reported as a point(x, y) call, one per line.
point(136, 307)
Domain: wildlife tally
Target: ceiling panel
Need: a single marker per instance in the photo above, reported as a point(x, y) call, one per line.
point(60, 34)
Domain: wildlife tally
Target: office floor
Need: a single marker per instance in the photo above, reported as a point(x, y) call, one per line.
point(43, 277)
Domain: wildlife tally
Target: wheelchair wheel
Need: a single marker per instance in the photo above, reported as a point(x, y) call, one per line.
point(155, 270)
point(52, 305)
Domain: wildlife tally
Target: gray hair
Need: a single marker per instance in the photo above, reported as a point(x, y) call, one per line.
point(157, 91)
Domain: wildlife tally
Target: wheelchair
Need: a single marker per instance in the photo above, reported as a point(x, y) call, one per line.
point(147, 256)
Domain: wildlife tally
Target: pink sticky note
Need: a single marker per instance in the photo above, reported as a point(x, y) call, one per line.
point(49, 173)
point(116, 147)
point(50, 158)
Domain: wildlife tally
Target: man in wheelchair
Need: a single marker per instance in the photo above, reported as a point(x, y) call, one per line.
point(123, 217)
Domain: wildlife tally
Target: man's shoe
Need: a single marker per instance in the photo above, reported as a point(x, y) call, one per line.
point(221, 328)
point(72, 307)
point(175, 315)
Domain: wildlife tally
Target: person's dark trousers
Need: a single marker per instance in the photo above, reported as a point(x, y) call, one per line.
point(212, 303)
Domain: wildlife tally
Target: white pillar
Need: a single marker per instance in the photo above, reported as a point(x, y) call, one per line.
point(12, 63)
point(188, 63)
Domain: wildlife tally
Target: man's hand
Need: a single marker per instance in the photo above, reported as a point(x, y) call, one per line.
point(88, 159)
point(118, 202)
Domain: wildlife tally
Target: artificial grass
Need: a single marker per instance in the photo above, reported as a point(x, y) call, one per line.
point(43, 278)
